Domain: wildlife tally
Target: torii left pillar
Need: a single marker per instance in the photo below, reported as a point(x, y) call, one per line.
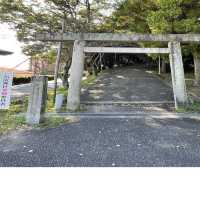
point(76, 73)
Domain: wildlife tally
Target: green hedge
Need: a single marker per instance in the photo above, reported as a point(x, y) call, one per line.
point(25, 80)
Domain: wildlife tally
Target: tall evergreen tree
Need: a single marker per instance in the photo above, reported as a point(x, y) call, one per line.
point(178, 16)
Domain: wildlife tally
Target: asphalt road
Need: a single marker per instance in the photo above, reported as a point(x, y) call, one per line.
point(22, 90)
point(129, 141)
point(127, 84)
point(103, 142)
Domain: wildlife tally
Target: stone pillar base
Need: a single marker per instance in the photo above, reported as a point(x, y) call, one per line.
point(37, 100)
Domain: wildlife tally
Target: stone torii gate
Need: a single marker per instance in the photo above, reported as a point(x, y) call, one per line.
point(77, 67)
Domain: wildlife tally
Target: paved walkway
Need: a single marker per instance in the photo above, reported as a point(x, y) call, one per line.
point(127, 84)
point(19, 91)
point(133, 140)
point(127, 89)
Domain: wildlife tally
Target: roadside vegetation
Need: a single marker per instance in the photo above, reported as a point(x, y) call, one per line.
point(89, 80)
point(193, 107)
point(8, 119)
point(14, 118)
point(192, 89)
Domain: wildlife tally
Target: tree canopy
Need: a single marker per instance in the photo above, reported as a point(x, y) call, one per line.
point(129, 16)
point(31, 17)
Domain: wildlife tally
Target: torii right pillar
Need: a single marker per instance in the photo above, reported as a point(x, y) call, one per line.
point(178, 76)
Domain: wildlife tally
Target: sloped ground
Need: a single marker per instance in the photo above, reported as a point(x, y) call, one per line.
point(127, 84)
point(127, 89)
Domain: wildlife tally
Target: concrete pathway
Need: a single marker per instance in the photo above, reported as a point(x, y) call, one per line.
point(127, 84)
point(127, 89)
point(137, 138)
point(19, 91)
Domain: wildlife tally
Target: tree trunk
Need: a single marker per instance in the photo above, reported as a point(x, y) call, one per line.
point(163, 67)
point(196, 69)
point(58, 63)
point(88, 8)
point(66, 74)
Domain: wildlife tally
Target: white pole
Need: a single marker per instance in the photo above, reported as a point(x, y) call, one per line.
point(159, 65)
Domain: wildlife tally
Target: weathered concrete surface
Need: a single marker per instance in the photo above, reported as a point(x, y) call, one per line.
point(143, 142)
point(37, 100)
point(127, 84)
point(76, 73)
point(109, 37)
point(178, 77)
point(126, 50)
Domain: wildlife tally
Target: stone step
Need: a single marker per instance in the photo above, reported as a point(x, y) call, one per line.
point(127, 102)
point(166, 115)
point(127, 107)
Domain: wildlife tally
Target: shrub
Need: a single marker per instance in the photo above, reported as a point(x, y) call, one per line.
point(25, 80)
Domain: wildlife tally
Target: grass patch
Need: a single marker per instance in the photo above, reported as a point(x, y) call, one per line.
point(189, 80)
point(8, 120)
point(62, 90)
point(9, 123)
point(52, 122)
point(88, 81)
point(50, 104)
point(193, 107)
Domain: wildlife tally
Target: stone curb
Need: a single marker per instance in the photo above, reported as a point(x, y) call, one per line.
point(195, 116)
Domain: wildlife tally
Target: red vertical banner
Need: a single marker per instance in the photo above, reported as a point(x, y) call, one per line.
point(6, 79)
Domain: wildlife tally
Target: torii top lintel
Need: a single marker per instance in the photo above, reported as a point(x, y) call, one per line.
point(117, 37)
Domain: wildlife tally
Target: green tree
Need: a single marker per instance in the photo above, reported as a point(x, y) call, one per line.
point(31, 17)
point(173, 16)
point(178, 16)
point(158, 16)
point(130, 16)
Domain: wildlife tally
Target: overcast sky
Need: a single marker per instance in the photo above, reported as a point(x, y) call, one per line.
point(8, 41)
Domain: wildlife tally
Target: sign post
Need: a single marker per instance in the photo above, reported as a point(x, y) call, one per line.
point(6, 79)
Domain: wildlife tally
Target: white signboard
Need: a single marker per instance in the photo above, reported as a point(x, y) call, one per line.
point(6, 79)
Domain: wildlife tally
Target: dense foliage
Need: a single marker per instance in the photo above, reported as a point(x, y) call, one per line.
point(129, 16)
point(31, 17)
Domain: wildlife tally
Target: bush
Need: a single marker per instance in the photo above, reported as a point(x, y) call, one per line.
point(50, 78)
point(25, 80)
point(21, 80)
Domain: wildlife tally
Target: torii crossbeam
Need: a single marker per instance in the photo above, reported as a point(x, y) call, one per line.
point(118, 37)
